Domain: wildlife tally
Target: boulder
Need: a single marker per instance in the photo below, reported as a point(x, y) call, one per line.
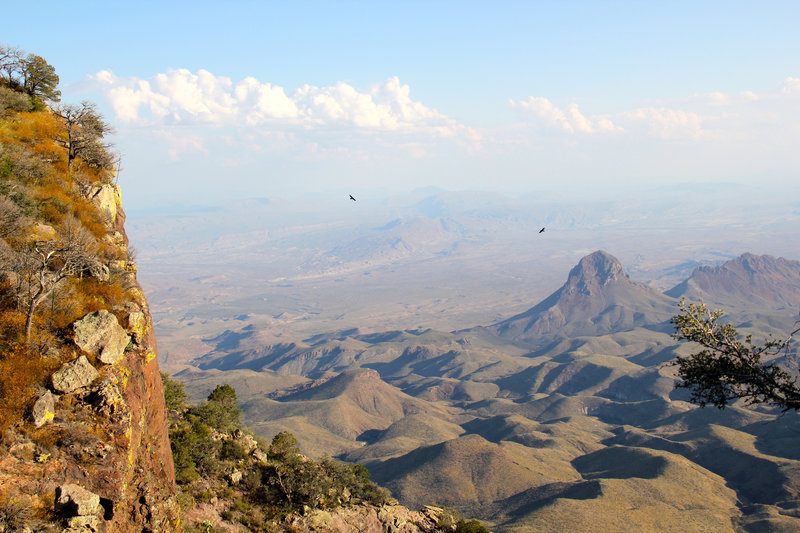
point(235, 477)
point(137, 323)
point(100, 334)
point(43, 232)
point(44, 410)
point(247, 442)
point(74, 500)
point(74, 375)
point(105, 198)
point(82, 524)
point(260, 456)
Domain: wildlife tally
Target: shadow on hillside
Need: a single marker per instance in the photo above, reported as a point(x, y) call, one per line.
point(533, 499)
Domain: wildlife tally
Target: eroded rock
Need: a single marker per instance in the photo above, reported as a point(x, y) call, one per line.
point(235, 477)
point(100, 334)
point(74, 375)
point(74, 500)
point(44, 410)
point(105, 198)
point(108, 400)
point(82, 524)
point(137, 322)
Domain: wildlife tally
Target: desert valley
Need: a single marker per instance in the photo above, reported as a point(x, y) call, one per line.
point(470, 361)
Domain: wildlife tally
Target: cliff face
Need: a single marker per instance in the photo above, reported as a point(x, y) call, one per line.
point(148, 490)
point(93, 454)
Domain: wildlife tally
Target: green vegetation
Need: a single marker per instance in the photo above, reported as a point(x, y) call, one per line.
point(54, 245)
point(29, 73)
point(728, 368)
point(254, 484)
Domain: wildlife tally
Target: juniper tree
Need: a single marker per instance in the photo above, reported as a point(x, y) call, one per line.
point(729, 367)
point(39, 78)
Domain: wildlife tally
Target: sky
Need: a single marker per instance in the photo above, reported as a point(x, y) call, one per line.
point(214, 101)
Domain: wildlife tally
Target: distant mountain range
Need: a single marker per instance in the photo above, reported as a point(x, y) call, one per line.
point(562, 417)
point(746, 281)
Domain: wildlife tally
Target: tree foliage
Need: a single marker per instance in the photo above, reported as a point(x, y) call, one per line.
point(208, 443)
point(220, 411)
point(82, 129)
point(729, 367)
point(175, 395)
point(40, 79)
point(30, 73)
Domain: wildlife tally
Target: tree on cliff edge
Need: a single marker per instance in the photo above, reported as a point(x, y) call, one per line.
point(727, 367)
point(44, 264)
point(82, 132)
point(39, 78)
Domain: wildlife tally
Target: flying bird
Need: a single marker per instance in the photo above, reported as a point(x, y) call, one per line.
point(351, 197)
point(541, 230)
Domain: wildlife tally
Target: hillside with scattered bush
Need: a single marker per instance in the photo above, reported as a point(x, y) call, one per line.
point(92, 436)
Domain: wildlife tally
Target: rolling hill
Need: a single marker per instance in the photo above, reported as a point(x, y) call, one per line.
point(559, 418)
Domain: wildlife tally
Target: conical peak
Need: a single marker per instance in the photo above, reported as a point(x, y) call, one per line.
point(597, 269)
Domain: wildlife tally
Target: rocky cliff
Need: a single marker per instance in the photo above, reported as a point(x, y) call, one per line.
point(94, 454)
point(84, 443)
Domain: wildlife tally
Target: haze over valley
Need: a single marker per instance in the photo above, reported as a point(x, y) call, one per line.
point(469, 360)
point(308, 265)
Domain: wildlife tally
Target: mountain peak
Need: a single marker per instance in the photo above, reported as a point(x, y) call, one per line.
point(749, 280)
point(596, 270)
point(598, 297)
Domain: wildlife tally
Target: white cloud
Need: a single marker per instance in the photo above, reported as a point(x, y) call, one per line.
point(183, 97)
point(791, 85)
point(265, 101)
point(570, 121)
point(666, 123)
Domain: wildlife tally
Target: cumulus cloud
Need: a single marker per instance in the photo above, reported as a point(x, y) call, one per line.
point(791, 85)
point(182, 97)
point(571, 120)
point(666, 123)
point(659, 122)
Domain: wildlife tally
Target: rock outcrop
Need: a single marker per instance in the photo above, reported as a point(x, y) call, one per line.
point(100, 334)
point(372, 519)
point(74, 375)
point(99, 447)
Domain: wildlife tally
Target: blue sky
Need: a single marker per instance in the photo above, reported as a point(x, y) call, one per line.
point(220, 100)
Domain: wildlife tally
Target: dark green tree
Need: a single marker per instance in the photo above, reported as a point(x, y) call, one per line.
point(39, 79)
point(729, 367)
point(220, 411)
point(175, 396)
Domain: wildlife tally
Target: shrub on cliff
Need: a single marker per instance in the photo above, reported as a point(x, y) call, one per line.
point(220, 411)
point(253, 484)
